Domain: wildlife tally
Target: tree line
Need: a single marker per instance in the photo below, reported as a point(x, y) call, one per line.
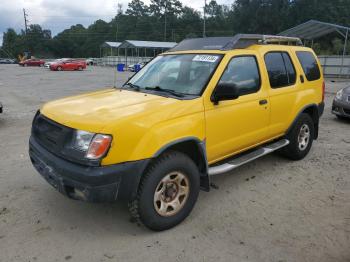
point(170, 20)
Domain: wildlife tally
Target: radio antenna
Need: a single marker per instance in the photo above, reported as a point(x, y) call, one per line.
point(116, 41)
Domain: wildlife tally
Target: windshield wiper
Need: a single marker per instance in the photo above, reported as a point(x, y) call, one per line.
point(170, 91)
point(136, 87)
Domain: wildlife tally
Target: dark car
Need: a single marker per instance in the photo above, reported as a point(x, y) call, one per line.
point(341, 103)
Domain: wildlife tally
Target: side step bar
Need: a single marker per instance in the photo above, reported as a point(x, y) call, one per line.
point(239, 161)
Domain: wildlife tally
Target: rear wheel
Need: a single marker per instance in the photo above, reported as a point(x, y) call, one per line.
point(167, 192)
point(80, 68)
point(59, 68)
point(300, 137)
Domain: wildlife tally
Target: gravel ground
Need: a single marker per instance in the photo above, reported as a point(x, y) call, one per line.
point(269, 210)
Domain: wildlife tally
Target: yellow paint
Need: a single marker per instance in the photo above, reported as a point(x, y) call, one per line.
point(141, 124)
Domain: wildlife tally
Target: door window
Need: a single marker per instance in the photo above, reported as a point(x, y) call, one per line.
point(309, 65)
point(243, 72)
point(280, 69)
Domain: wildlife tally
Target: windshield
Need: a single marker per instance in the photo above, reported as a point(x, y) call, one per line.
point(185, 74)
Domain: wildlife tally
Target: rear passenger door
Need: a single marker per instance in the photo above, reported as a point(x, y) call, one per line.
point(283, 89)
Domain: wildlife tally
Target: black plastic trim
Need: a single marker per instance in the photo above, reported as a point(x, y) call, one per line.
point(99, 184)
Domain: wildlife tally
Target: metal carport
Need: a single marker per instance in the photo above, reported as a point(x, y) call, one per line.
point(144, 48)
point(109, 46)
point(314, 29)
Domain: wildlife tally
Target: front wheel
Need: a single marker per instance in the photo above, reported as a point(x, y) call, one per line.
point(300, 137)
point(167, 192)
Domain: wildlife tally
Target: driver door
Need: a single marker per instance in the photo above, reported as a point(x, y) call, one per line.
point(235, 125)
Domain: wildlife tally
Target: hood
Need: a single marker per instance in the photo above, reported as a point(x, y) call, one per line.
point(346, 90)
point(104, 110)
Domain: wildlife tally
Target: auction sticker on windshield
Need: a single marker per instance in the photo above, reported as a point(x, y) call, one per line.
point(205, 58)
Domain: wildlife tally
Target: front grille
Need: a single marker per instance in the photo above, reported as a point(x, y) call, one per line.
point(57, 139)
point(51, 135)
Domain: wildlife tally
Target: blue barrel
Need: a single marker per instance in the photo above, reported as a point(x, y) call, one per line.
point(137, 67)
point(120, 67)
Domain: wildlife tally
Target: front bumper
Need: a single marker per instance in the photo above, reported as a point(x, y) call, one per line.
point(341, 108)
point(92, 184)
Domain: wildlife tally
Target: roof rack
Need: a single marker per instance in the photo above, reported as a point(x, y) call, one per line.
point(239, 41)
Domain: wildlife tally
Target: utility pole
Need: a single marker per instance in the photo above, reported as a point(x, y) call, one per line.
point(205, 4)
point(25, 15)
point(166, 4)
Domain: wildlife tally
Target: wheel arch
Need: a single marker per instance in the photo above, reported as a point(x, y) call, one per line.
point(196, 150)
point(313, 111)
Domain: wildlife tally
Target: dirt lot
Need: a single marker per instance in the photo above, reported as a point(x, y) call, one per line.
point(269, 210)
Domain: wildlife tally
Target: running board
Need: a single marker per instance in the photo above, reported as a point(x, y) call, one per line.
point(262, 151)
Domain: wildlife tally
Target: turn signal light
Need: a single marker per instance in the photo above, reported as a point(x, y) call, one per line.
point(99, 146)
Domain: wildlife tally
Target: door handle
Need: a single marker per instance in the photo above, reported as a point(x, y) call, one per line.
point(263, 102)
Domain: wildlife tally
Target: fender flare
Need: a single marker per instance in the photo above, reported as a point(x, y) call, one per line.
point(314, 118)
point(201, 146)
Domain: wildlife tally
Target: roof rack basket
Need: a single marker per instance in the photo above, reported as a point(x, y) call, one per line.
point(238, 41)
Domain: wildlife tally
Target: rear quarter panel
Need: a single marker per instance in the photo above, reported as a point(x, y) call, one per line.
point(288, 102)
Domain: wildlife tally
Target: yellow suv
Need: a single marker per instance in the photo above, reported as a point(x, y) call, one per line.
point(204, 108)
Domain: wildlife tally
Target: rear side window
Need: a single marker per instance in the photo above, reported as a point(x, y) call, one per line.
point(243, 72)
point(309, 65)
point(280, 69)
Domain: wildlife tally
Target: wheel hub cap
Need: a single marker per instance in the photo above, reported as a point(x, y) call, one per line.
point(171, 194)
point(304, 137)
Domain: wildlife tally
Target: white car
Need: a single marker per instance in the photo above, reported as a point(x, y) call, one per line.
point(132, 67)
point(90, 61)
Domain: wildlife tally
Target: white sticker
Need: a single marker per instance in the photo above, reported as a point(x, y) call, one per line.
point(205, 58)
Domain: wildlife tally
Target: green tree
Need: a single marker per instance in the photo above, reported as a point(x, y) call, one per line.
point(137, 8)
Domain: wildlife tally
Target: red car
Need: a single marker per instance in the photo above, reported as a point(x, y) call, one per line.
point(68, 65)
point(32, 62)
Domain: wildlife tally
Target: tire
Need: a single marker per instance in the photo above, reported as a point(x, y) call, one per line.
point(300, 138)
point(80, 68)
point(59, 68)
point(160, 186)
point(41, 65)
point(25, 65)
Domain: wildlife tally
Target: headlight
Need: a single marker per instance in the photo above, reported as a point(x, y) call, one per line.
point(339, 94)
point(93, 145)
point(82, 140)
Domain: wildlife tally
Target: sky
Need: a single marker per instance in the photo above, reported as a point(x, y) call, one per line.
point(59, 15)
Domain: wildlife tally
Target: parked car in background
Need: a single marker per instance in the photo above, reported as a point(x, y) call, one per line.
point(32, 62)
point(68, 65)
point(131, 68)
point(90, 61)
point(341, 103)
point(47, 64)
point(7, 61)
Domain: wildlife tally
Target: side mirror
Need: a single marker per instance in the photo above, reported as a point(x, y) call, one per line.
point(225, 91)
